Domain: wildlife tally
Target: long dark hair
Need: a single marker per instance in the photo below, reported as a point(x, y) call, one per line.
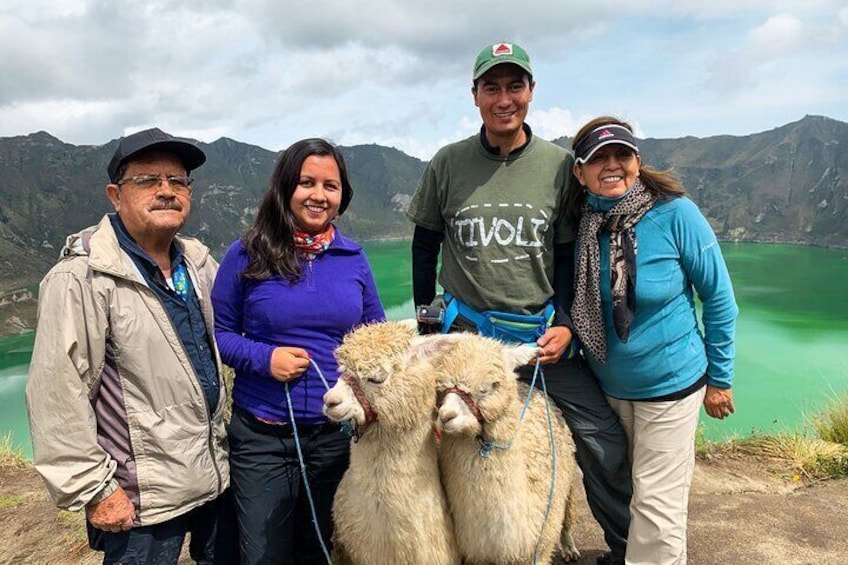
point(661, 183)
point(269, 241)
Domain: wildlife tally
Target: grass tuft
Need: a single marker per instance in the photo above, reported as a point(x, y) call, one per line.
point(707, 449)
point(11, 501)
point(809, 458)
point(11, 455)
point(832, 424)
point(704, 448)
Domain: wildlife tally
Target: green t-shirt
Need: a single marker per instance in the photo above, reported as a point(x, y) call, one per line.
point(500, 216)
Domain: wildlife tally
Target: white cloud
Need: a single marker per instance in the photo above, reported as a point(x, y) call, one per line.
point(398, 73)
point(81, 122)
point(778, 36)
point(555, 122)
point(780, 46)
point(41, 9)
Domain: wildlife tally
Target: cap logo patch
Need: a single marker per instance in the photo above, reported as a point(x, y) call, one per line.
point(502, 49)
point(605, 134)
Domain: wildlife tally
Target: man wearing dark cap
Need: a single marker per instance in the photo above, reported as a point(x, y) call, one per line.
point(124, 394)
point(491, 205)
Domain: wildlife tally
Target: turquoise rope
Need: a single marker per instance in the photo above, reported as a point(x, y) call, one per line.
point(487, 445)
point(303, 465)
point(554, 470)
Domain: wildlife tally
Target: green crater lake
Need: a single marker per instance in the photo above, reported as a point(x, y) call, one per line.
point(791, 341)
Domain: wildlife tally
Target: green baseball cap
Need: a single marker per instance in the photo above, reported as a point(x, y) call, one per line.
point(499, 53)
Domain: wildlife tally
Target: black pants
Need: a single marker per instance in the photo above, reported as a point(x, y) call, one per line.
point(600, 441)
point(274, 517)
point(161, 543)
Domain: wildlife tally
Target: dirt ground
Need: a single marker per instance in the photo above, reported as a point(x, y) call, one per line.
point(743, 510)
point(749, 510)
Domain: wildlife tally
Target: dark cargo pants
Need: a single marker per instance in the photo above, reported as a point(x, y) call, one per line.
point(274, 517)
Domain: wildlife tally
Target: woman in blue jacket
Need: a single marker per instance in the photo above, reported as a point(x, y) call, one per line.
point(285, 295)
point(643, 251)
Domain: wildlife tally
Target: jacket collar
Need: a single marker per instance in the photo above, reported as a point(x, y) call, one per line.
point(129, 244)
point(100, 244)
point(343, 244)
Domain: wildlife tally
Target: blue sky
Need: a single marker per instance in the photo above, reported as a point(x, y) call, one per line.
point(398, 73)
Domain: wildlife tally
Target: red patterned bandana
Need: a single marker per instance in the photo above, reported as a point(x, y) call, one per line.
point(310, 246)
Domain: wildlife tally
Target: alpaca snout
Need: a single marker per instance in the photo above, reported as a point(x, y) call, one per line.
point(340, 404)
point(455, 417)
point(446, 418)
point(331, 398)
point(332, 404)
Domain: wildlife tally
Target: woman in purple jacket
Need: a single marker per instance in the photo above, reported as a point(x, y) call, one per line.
point(285, 295)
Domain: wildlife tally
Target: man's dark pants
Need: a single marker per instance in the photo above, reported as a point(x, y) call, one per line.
point(600, 441)
point(161, 543)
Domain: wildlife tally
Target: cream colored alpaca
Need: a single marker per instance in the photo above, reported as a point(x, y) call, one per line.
point(499, 502)
point(390, 507)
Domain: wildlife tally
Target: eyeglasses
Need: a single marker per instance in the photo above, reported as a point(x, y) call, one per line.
point(180, 185)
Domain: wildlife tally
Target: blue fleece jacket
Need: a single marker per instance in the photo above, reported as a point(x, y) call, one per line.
point(335, 294)
point(667, 351)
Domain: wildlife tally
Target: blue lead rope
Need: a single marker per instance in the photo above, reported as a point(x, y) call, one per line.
point(303, 464)
point(554, 470)
point(487, 446)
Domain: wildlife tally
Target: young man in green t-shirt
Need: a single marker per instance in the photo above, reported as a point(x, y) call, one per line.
point(492, 206)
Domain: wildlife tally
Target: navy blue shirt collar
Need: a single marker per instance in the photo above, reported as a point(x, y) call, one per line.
point(128, 244)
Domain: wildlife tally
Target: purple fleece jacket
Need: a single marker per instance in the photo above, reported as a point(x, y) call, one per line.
point(335, 294)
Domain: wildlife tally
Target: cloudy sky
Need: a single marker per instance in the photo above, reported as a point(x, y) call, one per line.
point(398, 73)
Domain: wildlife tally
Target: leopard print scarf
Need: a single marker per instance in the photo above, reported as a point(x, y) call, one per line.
point(586, 309)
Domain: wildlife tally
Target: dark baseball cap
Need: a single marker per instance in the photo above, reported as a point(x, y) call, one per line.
point(190, 154)
point(601, 136)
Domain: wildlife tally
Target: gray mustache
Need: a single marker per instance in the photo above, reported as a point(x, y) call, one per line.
point(166, 205)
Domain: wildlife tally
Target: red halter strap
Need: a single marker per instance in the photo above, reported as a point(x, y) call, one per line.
point(466, 397)
point(370, 414)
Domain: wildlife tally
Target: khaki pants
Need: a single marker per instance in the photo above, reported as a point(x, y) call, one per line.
point(662, 454)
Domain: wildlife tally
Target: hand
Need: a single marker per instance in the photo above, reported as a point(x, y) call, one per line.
point(553, 344)
point(718, 402)
point(288, 363)
point(115, 513)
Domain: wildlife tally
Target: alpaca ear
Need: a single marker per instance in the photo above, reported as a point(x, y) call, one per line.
point(518, 355)
point(424, 346)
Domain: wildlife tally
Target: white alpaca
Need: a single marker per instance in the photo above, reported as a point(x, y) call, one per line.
point(498, 502)
point(390, 507)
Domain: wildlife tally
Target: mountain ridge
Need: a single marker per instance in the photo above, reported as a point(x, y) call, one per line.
point(786, 184)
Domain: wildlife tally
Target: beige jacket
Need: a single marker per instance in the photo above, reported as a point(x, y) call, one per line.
point(112, 396)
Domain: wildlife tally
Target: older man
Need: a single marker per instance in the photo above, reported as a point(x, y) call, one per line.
point(492, 206)
point(124, 394)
